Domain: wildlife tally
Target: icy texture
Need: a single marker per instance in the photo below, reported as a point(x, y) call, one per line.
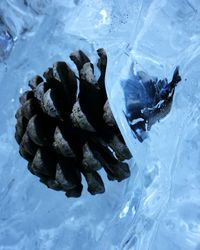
point(159, 206)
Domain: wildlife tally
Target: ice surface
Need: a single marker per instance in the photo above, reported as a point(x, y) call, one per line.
point(158, 207)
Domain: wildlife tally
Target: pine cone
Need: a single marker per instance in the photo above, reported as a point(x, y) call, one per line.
point(65, 134)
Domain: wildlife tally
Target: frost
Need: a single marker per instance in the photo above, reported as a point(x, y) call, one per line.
point(158, 207)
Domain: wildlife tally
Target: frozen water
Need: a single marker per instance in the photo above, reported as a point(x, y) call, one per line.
point(6, 42)
point(158, 207)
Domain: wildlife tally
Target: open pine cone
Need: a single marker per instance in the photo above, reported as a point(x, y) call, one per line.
point(65, 134)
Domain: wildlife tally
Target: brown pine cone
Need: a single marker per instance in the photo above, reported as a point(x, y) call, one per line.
point(65, 134)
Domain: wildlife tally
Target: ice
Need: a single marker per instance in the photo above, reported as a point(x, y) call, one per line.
point(158, 207)
point(6, 42)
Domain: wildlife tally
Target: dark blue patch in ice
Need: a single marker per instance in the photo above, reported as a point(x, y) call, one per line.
point(147, 100)
point(6, 42)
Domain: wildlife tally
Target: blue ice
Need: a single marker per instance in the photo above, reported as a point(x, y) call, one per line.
point(158, 207)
